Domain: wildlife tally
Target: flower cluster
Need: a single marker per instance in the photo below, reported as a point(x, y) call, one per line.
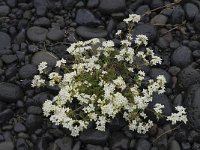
point(102, 82)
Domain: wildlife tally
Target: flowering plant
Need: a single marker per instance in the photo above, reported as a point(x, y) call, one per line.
point(103, 81)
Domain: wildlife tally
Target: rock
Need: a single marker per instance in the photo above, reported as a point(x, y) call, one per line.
point(157, 3)
point(159, 19)
point(146, 29)
point(43, 22)
point(68, 4)
point(197, 22)
point(37, 34)
point(5, 40)
point(174, 145)
point(194, 45)
point(86, 17)
point(39, 99)
point(41, 7)
point(178, 15)
point(41, 144)
point(119, 141)
point(27, 71)
point(112, 6)
point(92, 3)
point(4, 10)
point(179, 54)
point(154, 72)
point(55, 34)
point(88, 33)
point(33, 122)
point(19, 127)
point(117, 123)
point(11, 3)
point(143, 144)
point(196, 53)
point(6, 146)
point(10, 92)
point(95, 137)
point(174, 70)
point(77, 146)
point(6, 115)
point(46, 56)
point(34, 110)
point(8, 59)
point(185, 145)
point(178, 100)
point(162, 43)
point(21, 144)
point(64, 143)
point(163, 100)
point(187, 77)
point(191, 11)
point(93, 147)
point(141, 10)
point(174, 44)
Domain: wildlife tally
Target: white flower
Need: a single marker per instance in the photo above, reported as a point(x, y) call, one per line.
point(158, 108)
point(42, 66)
point(60, 62)
point(141, 39)
point(132, 18)
point(37, 81)
point(126, 42)
point(119, 82)
point(179, 116)
point(119, 32)
point(108, 43)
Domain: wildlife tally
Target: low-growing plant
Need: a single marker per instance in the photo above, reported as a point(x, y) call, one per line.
point(103, 81)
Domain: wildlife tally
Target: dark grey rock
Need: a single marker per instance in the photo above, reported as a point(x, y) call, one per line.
point(174, 44)
point(27, 71)
point(95, 137)
point(10, 92)
point(37, 34)
point(4, 10)
point(178, 15)
point(112, 6)
point(55, 34)
point(64, 143)
point(117, 123)
point(19, 127)
point(6, 115)
point(179, 54)
point(86, 17)
point(5, 40)
point(146, 29)
point(33, 122)
point(68, 4)
point(41, 7)
point(163, 100)
point(34, 110)
point(92, 3)
point(196, 53)
point(174, 70)
point(186, 146)
point(8, 59)
point(162, 43)
point(93, 147)
point(174, 145)
point(143, 144)
point(6, 146)
point(159, 19)
point(39, 99)
point(194, 45)
point(191, 10)
point(157, 3)
point(197, 22)
point(77, 146)
point(46, 56)
point(11, 3)
point(141, 10)
point(154, 72)
point(178, 100)
point(88, 33)
point(21, 144)
point(43, 22)
point(119, 141)
point(187, 77)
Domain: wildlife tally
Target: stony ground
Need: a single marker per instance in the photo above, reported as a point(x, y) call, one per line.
point(32, 31)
